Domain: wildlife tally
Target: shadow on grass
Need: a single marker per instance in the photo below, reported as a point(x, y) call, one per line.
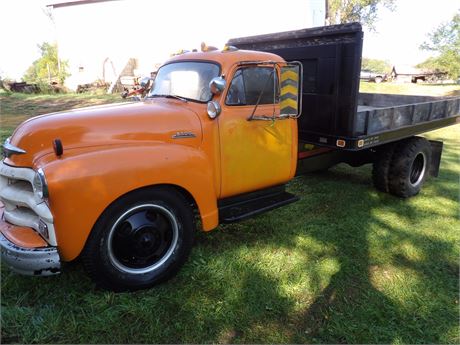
point(429, 268)
point(387, 273)
point(353, 308)
point(340, 266)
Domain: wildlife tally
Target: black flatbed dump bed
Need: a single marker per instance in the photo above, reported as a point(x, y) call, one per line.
point(383, 118)
point(334, 113)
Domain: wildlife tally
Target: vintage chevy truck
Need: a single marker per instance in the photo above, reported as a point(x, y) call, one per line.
point(216, 140)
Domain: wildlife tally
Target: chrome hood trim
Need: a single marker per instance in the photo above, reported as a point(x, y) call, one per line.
point(9, 149)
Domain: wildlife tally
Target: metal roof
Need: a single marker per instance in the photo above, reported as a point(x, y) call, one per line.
point(75, 3)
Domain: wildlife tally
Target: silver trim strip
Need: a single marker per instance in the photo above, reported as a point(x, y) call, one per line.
point(180, 135)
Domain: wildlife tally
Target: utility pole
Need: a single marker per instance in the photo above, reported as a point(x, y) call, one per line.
point(49, 13)
point(327, 19)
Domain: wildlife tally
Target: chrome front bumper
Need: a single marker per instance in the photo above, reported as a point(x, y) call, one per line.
point(30, 261)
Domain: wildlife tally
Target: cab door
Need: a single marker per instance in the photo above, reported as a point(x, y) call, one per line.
point(256, 152)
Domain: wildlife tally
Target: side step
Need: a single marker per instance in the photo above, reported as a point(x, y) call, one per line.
point(245, 206)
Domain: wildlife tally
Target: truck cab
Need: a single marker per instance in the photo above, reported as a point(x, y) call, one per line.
point(127, 178)
point(252, 143)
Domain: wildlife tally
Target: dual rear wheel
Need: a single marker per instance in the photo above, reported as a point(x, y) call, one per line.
point(401, 168)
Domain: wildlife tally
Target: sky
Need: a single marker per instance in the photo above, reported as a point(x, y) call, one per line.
point(400, 33)
point(397, 38)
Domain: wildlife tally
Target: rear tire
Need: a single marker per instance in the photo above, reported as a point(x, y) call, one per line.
point(140, 240)
point(381, 167)
point(378, 80)
point(409, 167)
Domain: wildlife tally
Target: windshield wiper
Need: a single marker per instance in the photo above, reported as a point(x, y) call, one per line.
point(170, 96)
point(251, 117)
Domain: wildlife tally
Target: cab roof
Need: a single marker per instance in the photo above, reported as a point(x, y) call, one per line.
point(226, 58)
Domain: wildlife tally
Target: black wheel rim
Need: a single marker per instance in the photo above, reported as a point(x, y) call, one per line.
point(417, 170)
point(142, 239)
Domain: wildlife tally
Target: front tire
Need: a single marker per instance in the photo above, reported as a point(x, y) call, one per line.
point(142, 239)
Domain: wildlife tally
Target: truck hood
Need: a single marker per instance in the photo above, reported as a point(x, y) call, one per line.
point(147, 122)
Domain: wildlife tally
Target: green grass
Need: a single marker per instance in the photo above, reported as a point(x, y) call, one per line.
point(18, 107)
point(344, 264)
point(411, 89)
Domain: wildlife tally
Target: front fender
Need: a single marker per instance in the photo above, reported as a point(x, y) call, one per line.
point(82, 184)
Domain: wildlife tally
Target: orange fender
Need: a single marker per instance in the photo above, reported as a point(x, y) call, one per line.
point(82, 184)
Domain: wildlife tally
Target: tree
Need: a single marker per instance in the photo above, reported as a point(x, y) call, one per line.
point(445, 43)
point(347, 11)
point(376, 65)
point(47, 68)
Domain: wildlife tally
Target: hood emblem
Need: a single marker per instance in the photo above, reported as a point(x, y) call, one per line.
point(180, 135)
point(9, 149)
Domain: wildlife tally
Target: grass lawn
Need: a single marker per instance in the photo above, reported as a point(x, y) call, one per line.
point(345, 264)
point(412, 89)
point(17, 107)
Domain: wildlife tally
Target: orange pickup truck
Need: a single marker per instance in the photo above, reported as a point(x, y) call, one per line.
point(124, 186)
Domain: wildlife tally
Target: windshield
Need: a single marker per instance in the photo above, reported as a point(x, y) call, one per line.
point(189, 80)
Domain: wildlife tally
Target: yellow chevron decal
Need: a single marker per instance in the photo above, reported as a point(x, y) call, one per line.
point(289, 89)
point(288, 102)
point(289, 75)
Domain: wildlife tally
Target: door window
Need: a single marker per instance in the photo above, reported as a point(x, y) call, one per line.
point(250, 83)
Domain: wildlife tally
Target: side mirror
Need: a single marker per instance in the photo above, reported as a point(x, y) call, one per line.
point(217, 85)
point(291, 90)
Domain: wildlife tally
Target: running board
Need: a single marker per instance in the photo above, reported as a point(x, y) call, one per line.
point(242, 207)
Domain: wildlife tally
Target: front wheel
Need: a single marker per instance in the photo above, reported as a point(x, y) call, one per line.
point(140, 240)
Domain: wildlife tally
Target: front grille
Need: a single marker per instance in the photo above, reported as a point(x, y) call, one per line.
point(21, 207)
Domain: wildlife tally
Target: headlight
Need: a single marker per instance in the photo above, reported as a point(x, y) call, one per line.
point(214, 109)
point(40, 186)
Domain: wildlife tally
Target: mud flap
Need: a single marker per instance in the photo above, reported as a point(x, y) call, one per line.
point(436, 152)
